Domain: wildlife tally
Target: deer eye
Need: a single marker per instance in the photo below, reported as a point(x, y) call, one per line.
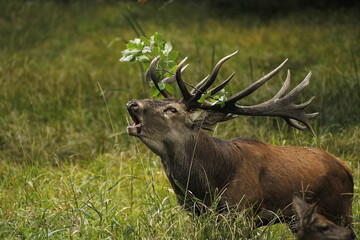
point(171, 109)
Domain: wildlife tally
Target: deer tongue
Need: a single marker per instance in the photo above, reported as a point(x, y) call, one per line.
point(134, 129)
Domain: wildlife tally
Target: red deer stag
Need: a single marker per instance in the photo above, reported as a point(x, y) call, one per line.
point(313, 225)
point(246, 171)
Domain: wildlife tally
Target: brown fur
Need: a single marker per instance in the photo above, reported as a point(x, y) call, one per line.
point(249, 172)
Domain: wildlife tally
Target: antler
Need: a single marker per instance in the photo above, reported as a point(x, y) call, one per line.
point(281, 105)
point(151, 76)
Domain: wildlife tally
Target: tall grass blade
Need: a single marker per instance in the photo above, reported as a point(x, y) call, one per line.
point(213, 55)
point(356, 71)
point(251, 69)
point(133, 27)
point(135, 21)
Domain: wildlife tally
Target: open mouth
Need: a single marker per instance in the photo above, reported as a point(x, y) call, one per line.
point(135, 129)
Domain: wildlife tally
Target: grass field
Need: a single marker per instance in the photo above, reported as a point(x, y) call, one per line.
point(68, 169)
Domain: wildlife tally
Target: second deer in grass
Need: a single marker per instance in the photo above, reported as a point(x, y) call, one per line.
point(248, 172)
point(312, 225)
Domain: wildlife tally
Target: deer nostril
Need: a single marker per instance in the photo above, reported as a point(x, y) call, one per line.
point(132, 106)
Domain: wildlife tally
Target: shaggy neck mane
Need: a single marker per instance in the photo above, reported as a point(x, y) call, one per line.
point(200, 163)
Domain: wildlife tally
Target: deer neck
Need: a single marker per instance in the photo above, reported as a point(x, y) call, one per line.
point(196, 162)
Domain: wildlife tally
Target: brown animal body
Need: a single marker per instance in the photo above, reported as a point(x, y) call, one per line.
point(248, 172)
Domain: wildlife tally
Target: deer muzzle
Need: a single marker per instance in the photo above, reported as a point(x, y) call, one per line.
point(135, 129)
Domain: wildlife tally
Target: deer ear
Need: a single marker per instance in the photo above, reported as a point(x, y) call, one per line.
point(206, 119)
point(305, 212)
point(299, 206)
point(309, 215)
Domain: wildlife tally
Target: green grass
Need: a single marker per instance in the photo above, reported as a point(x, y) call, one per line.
point(68, 168)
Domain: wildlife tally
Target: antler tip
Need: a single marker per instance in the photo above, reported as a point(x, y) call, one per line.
point(182, 69)
point(182, 62)
point(312, 115)
point(283, 63)
point(307, 79)
point(155, 61)
point(309, 75)
point(312, 132)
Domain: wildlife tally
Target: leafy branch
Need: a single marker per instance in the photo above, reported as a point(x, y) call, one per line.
point(144, 50)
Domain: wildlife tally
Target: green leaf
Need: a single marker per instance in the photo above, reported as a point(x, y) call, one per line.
point(131, 46)
point(136, 41)
point(142, 58)
point(168, 74)
point(134, 48)
point(133, 60)
point(168, 47)
point(172, 56)
point(145, 40)
point(222, 92)
point(163, 56)
point(222, 101)
point(146, 64)
point(204, 97)
point(135, 51)
point(152, 41)
point(126, 52)
point(170, 89)
point(156, 51)
point(170, 65)
point(127, 58)
point(218, 99)
point(173, 69)
point(158, 40)
point(154, 91)
point(146, 49)
point(161, 85)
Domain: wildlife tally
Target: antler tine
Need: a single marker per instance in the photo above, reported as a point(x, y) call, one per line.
point(284, 87)
point(151, 76)
point(295, 123)
point(198, 86)
point(212, 77)
point(303, 118)
point(305, 104)
point(148, 77)
point(172, 79)
point(247, 91)
point(222, 85)
point(293, 94)
point(180, 81)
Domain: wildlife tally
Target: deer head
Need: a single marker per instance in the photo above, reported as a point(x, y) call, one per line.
point(313, 225)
